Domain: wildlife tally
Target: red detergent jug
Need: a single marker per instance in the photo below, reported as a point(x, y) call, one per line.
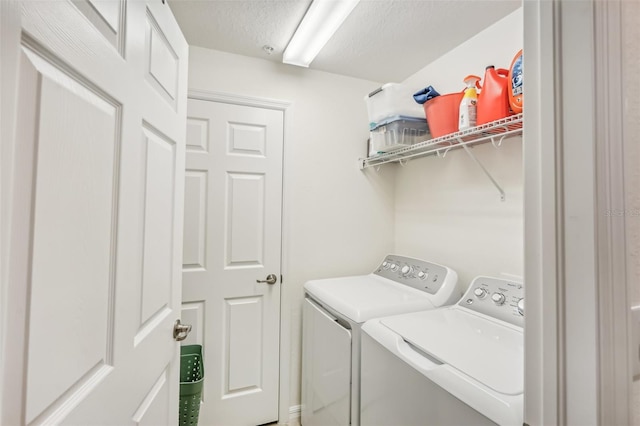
point(493, 101)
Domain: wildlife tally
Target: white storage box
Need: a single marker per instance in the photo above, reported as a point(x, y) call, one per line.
point(392, 99)
point(397, 132)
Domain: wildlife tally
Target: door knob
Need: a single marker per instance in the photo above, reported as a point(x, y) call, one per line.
point(181, 331)
point(271, 279)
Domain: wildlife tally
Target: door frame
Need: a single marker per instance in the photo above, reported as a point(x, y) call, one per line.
point(574, 254)
point(614, 287)
point(13, 299)
point(561, 339)
point(285, 296)
point(541, 250)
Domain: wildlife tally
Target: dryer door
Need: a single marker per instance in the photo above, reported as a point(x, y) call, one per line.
point(326, 368)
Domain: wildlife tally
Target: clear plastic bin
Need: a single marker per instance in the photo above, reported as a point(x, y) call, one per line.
point(397, 132)
point(392, 99)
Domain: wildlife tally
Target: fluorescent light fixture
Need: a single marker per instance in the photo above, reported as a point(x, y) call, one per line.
point(321, 21)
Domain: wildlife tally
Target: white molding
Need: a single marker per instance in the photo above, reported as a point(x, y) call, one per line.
point(286, 293)
point(614, 332)
point(561, 215)
point(578, 284)
point(230, 98)
point(16, 167)
point(295, 411)
point(543, 255)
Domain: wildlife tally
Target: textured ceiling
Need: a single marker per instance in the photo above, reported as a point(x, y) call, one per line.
point(382, 40)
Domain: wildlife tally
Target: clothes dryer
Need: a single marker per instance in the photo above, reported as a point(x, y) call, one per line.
point(333, 312)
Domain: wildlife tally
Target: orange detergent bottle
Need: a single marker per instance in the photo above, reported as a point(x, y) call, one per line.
point(493, 101)
point(515, 84)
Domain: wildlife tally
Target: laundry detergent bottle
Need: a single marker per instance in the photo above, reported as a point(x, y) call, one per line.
point(467, 116)
point(515, 84)
point(493, 102)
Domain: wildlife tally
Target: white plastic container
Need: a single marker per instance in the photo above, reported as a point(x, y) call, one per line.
point(390, 100)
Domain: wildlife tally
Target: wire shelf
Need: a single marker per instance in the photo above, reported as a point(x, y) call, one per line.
point(495, 132)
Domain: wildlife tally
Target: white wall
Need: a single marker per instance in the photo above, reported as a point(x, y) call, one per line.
point(439, 209)
point(446, 209)
point(339, 220)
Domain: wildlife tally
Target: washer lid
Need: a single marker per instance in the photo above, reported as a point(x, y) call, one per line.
point(363, 297)
point(486, 350)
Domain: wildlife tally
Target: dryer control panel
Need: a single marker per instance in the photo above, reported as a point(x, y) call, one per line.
point(419, 274)
point(496, 297)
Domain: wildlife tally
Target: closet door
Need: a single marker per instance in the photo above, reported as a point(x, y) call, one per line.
point(232, 245)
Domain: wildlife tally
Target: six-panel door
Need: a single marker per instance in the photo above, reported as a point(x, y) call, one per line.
point(232, 239)
point(101, 110)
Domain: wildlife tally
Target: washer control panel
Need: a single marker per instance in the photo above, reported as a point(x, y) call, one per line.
point(501, 299)
point(415, 273)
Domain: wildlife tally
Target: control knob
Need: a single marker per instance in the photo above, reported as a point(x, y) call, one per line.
point(480, 293)
point(422, 275)
point(393, 267)
point(498, 298)
point(521, 307)
point(406, 270)
point(385, 264)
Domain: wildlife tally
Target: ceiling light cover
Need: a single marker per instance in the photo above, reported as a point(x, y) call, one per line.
point(321, 21)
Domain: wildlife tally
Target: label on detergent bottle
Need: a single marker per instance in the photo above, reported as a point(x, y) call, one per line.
point(516, 77)
point(468, 113)
point(516, 84)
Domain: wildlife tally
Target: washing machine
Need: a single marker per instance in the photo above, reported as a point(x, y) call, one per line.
point(459, 365)
point(334, 310)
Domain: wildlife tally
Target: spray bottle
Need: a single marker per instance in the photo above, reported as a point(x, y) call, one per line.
point(467, 117)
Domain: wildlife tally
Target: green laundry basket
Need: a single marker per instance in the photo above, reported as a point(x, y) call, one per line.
point(191, 378)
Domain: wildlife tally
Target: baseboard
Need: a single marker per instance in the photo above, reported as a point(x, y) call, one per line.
point(294, 415)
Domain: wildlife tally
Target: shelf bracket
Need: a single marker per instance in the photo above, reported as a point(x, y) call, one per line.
point(486, 172)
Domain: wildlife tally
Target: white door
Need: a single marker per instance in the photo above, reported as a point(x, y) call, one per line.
point(96, 209)
point(232, 239)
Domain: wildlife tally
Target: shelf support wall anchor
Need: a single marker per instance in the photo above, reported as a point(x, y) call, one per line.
point(443, 153)
point(499, 143)
point(486, 172)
